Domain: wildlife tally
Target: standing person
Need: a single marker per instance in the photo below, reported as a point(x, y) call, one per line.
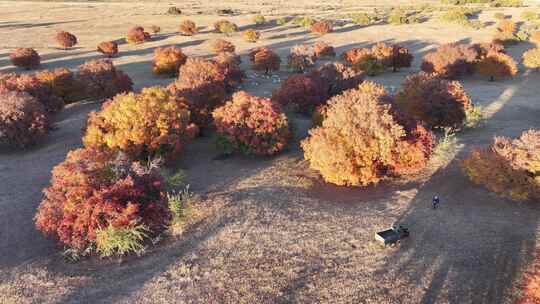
point(435, 201)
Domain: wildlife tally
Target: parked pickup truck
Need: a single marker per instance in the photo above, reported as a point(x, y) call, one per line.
point(392, 236)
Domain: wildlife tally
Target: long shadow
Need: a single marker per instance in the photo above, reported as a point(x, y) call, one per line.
point(17, 25)
point(471, 249)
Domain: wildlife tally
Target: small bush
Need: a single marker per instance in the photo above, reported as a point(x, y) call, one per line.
point(225, 27)
point(497, 65)
point(155, 29)
point(220, 45)
point(281, 21)
point(251, 35)
point(322, 27)
point(531, 58)
point(398, 17)
point(264, 59)
point(437, 102)
point(355, 55)
point(339, 78)
point(150, 124)
point(507, 3)
point(121, 241)
point(302, 93)
point(62, 83)
point(23, 119)
point(301, 58)
point(173, 10)
point(168, 60)
point(35, 87)
point(450, 61)
point(180, 205)
point(508, 167)
point(259, 19)
point(202, 83)
point(92, 190)
point(108, 48)
point(66, 40)
point(362, 19)
point(369, 65)
point(137, 35)
point(457, 16)
point(252, 125)
point(323, 50)
point(381, 146)
point(26, 58)
point(392, 56)
point(305, 21)
point(188, 28)
point(102, 80)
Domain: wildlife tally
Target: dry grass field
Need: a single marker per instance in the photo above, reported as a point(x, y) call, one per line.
point(269, 230)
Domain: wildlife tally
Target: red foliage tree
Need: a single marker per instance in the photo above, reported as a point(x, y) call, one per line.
point(35, 87)
point(435, 101)
point(101, 79)
point(23, 119)
point(202, 83)
point(303, 93)
point(91, 190)
point(322, 27)
point(62, 83)
point(450, 60)
point(108, 48)
point(137, 35)
point(66, 40)
point(338, 77)
point(252, 125)
point(263, 59)
point(188, 28)
point(26, 58)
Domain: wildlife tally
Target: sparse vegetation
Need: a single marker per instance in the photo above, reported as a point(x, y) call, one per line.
point(362, 19)
point(225, 27)
point(259, 19)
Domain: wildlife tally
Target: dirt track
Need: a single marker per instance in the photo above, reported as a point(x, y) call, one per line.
point(273, 233)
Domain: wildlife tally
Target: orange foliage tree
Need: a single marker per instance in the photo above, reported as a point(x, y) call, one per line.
point(168, 60)
point(360, 141)
point(152, 123)
point(510, 168)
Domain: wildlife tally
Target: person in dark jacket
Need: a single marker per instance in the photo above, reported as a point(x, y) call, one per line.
point(435, 201)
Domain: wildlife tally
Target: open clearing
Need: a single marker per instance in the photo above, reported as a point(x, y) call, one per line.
point(270, 230)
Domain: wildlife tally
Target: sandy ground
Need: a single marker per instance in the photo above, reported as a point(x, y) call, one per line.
point(272, 232)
